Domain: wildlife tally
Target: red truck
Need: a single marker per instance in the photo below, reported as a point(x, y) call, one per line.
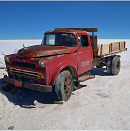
point(65, 58)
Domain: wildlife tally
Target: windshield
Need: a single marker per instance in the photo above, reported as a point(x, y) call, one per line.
point(59, 39)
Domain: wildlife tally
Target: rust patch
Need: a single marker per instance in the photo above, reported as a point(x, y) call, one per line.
point(43, 50)
point(33, 86)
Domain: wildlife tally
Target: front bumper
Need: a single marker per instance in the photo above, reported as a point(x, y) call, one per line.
point(29, 85)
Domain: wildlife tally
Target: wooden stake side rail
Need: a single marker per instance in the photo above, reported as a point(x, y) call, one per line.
point(105, 50)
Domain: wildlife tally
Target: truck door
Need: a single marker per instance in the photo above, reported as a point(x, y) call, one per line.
point(84, 54)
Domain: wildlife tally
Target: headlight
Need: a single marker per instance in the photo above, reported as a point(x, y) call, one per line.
point(42, 76)
point(41, 64)
point(6, 59)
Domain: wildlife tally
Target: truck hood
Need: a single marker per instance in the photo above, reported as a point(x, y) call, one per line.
point(43, 50)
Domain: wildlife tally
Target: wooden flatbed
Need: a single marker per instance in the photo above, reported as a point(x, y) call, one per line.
point(105, 50)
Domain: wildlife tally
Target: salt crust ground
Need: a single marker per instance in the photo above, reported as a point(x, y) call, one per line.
point(101, 103)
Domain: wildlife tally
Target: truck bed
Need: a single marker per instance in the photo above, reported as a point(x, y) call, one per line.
point(105, 50)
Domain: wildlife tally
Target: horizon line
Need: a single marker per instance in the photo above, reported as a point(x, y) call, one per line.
point(41, 39)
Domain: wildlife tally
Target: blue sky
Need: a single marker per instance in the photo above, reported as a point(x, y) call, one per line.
point(30, 19)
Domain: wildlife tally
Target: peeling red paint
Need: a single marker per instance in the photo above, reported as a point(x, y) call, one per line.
point(43, 50)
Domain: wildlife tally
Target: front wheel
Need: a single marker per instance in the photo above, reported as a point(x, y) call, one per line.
point(64, 85)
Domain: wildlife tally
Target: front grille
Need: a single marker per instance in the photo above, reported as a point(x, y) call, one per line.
point(24, 72)
point(23, 64)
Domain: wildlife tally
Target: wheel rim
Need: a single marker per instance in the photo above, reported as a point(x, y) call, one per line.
point(68, 85)
point(118, 65)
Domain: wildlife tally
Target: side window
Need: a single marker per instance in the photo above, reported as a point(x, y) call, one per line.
point(79, 40)
point(83, 40)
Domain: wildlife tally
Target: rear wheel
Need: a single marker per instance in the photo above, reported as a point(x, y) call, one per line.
point(64, 85)
point(115, 66)
point(108, 65)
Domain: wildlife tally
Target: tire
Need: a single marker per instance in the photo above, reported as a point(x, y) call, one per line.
point(115, 66)
point(64, 85)
point(108, 65)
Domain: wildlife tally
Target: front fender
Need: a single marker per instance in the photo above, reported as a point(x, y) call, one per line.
point(59, 69)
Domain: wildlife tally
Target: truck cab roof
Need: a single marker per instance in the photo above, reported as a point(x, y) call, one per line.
point(66, 31)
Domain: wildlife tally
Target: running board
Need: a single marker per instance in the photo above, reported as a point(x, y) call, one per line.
point(85, 77)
